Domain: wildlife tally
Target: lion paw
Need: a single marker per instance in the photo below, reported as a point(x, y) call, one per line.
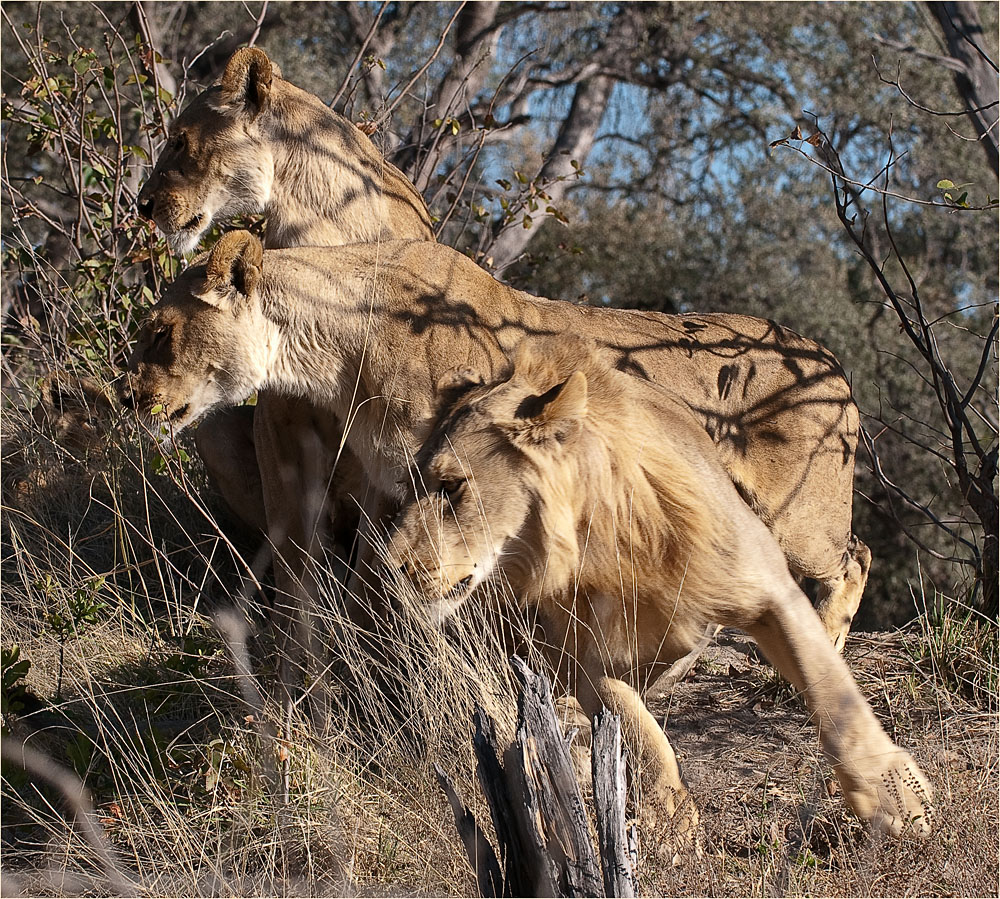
point(904, 804)
point(677, 836)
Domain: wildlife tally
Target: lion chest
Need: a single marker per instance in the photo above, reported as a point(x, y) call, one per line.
point(621, 635)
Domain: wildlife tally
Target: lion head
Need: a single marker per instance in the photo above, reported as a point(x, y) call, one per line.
point(544, 476)
point(216, 164)
point(205, 342)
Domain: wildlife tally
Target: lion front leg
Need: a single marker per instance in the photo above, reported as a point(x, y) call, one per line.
point(295, 470)
point(665, 808)
point(881, 782)
point(226, 445)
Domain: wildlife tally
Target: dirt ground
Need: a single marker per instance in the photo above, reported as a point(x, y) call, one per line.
point(773, 818)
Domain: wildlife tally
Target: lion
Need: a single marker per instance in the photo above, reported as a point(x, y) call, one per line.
point(777, 407)
point(600, 500)
point(363, 333)
point(72, 415)
point(255, 144)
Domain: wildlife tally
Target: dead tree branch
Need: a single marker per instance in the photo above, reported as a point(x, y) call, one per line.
point(971, 441)
point(536, 807)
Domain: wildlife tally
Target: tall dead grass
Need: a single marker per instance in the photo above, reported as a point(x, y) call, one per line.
point(152, 677)
point(152, 682)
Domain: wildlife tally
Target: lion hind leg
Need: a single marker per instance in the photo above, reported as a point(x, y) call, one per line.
point(881, 782)
point(840, 596)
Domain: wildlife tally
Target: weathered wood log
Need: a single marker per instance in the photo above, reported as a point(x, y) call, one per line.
point(525, 870)
point(541, 769)
point(538, 813)
point(609, 805)
point(477, 845)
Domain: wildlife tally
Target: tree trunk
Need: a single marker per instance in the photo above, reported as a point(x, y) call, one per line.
point(983, 500)
point(575, 139)
point(538, 814)
point(977, 83)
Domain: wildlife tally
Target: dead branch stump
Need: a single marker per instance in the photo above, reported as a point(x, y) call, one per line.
point(537, 810)
point(618, 847)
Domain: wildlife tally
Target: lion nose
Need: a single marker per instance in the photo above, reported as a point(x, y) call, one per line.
point(145, 207)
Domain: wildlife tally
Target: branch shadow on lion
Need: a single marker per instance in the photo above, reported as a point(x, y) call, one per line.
point(353, 340)
point(256, 144)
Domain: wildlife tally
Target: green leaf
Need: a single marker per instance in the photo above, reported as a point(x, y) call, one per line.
point(945, 184)
point(157, 409)
point(14, 667)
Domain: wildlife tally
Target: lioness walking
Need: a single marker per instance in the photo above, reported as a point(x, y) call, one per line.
point(600, 500)
point(777, 406)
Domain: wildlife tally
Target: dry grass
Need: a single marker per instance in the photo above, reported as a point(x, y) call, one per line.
point(775, 819)
point(152, 667)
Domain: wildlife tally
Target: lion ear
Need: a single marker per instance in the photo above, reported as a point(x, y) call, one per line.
point(235, 266)
point(556, 414)
point(248, 79)
point(456, 383)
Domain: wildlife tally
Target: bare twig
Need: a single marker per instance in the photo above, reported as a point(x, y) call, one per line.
point(258, 24)
point(386, 114)
point(359, 55)
point(972, 457)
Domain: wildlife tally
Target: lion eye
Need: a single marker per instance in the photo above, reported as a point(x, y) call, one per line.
point(177, 149)
point(159, 348)
point(452, 489)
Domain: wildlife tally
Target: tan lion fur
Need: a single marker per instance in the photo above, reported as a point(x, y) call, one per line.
point(599, 499)
point(366, 331)
point(777, 407)
point(361, 334)
point(660, 520)
point(72, 417)
point(256, 144)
